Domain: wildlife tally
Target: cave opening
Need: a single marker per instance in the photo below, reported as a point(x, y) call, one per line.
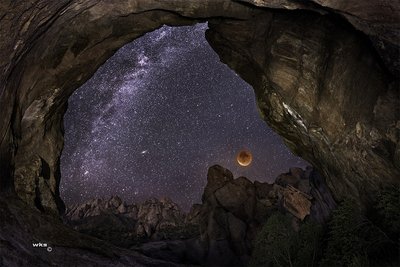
point(319, 83)
point(156, 116)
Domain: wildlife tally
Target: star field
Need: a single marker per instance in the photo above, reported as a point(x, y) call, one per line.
point(156, 116)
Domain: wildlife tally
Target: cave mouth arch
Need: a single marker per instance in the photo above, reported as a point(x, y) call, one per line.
point(318, 83)
point(156, 116)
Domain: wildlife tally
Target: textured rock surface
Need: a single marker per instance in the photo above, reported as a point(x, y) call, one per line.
point(156, 215)
point(319, 82)
point(321, 87)
point(378, 19)
point(233, 210)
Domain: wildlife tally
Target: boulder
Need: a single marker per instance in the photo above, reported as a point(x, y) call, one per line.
point(234, 211)
point(296, 202)
point(231, 212)
point(262, 189)
point(217, 176)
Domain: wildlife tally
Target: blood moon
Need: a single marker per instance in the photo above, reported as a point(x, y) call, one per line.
point(244, 158)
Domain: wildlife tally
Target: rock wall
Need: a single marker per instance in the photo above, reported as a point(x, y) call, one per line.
point(320, 83)
point(322, 88)
point(378, 19)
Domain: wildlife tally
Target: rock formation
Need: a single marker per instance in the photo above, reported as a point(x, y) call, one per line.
point(19, 230)
point(96, 207)
point(123, 224)
point(233, 210)
point(325, 74)
point(320, 83)
point(154, 216)
point(303, 77)
point(218, 232)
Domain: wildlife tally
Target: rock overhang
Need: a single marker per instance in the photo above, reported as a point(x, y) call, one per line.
point(53, 48)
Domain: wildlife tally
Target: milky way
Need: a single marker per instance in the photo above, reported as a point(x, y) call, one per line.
point(156, 116)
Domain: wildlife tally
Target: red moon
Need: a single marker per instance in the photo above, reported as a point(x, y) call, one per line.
point(244, 158)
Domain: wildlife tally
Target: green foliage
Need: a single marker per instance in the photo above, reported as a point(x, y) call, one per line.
point(388, 207)
point(273, 244)
point(278, 244)
point(309, 244)
point(385, 215)
point(344, 242)
point(354, 240)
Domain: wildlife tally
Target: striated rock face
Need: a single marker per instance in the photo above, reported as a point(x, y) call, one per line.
point(319, 82)
point(377, 19)
point(323, 89)
point(233, 210)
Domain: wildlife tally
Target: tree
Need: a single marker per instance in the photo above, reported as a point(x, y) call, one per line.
point(274, 244)
point(388, 207)
point(344, 244)
point(278, 244)
point(308, 252)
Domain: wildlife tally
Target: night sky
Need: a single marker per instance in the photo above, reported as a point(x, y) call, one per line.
point(156, 116)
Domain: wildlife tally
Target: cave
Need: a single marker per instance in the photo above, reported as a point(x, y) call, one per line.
point(325, 76)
